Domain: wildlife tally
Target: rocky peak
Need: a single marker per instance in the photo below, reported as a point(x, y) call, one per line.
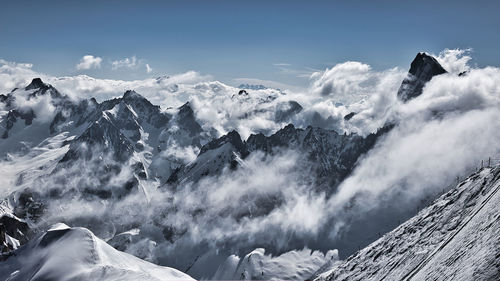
point(145, 110)
point(185, 110)
point(37, 83)
point(232, 137)
point(40, 88)
point(187, 120)
point(131, 94)
point(131, 97)
point(423, 68)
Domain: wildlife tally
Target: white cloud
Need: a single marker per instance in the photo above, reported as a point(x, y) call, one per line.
point(352, 81)
point(88, 62)
point(455, 60)
point(15, 75)
point(148, 68)
point(130, 63)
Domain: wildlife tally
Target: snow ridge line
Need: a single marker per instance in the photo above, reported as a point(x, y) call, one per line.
point(423, 263)
point(94, 251)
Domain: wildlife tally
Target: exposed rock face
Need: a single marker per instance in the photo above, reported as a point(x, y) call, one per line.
point(332, 155)
point(422, 69)
point(40, 88)
point(13, 116)
point(187, 120)
point(13, 231)
point(349, 116)
point(212, 159)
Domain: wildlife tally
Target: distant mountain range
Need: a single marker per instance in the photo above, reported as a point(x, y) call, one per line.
point(66, 150)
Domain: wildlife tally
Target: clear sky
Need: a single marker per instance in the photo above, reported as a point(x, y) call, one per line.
point(272, 40)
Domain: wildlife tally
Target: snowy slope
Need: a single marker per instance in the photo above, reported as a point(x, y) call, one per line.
point(64, 253)
point(293, 265)
point(456, 238)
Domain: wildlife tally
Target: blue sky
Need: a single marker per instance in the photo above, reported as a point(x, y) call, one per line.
point(271, 40)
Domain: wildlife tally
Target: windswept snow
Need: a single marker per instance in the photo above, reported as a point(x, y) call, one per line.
point(456, 238)
point(64, 253)
point(293, 265)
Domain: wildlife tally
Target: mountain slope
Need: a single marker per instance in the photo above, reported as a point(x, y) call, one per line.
point(64, 253)
point(456, 238)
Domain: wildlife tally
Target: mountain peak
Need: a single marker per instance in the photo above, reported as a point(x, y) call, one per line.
point(40, 88)
point(186, 109)
point(36, 83)
point(233, 137)
point(424, 62)
point(187, 120)
point(131, 94)
point(422, 69)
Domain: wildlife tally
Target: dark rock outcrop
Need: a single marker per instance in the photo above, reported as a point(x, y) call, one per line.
point(423, 69)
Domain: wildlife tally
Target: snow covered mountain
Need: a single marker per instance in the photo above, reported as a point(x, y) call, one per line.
point(200, 185)
point(64, 253)
point(130, 129)
point(455, 238)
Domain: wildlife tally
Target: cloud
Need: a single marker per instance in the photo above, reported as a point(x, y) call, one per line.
point(88, 62)
point(15, 75)
point(129, 63)
point(352, 81)
point(455, 60)
point(274, 209)
point(281, 64)
point(267, 83)
point(439, 136)
point(166, 91)
point(148, 68)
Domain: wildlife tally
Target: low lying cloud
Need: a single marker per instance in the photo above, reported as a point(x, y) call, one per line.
point(89, 62)
point(265, 202)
